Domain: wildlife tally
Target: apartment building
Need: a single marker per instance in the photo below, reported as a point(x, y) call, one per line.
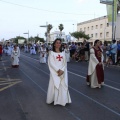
point(97, 28)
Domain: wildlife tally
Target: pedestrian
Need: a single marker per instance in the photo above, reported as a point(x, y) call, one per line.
point(1, 51)
point(86, 44)
point(58, 85)
point(118, 52)
point(43, 54)
point(32, 50)
point(15, 57)
point(95, 77)
point(114, 51)
point(67, 52)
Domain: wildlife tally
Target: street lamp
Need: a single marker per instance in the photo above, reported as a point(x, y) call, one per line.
point(73, 27)
point(46, 31)
point(110, 2)
point(28, 35)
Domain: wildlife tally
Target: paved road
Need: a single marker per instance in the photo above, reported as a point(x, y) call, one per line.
point(23, 93)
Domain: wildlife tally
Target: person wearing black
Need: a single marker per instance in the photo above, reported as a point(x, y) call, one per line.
point(86, 44)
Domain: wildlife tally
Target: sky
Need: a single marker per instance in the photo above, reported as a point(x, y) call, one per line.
point(19, 16)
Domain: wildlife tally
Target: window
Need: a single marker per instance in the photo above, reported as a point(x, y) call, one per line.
point(91, 27)
point(88, 28)
point(107, 34)
point(96, 35)
point(96, 26)
point(107, 24)
point(100, 34)
point(80, 29)
point(101, 25)
point(91, 35)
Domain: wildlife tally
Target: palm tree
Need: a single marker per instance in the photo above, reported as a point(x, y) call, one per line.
point(49, 27)
point(61, 27)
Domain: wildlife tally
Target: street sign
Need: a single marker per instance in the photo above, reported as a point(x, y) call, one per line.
point(108, 2)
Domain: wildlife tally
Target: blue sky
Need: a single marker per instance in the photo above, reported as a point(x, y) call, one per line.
point(19, 16)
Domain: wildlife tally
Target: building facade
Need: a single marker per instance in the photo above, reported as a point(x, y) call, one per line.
point(97, 28)
point(57, 34)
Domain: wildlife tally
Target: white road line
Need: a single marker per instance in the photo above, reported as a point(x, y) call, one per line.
point(104, 84)
point(71, 113)
point(95, 101)
point(81, 77)
point(84, 95)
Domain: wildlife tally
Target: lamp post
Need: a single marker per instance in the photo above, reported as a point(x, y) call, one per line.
point(110, 2)
point(46, 31)
point(73, 27)
point(28, 35)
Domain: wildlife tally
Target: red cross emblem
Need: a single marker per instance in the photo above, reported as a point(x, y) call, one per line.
point(59, 57)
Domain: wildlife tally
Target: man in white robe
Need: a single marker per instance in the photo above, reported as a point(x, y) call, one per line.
point(58, 85)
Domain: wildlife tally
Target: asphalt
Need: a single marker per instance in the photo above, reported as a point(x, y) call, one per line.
point(23, 92)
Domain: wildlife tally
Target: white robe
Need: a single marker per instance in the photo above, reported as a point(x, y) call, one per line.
point(43, 55)
point(15, 55)
point(92, 69)
point(67, 54)
point(58, 85)
point(9, 50)
point(26, 48)
point(32, 50)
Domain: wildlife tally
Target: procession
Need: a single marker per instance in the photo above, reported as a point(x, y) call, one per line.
point(66, 69)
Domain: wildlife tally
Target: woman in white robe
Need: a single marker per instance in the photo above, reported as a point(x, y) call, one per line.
point(15, 57)
point(32, 50)
point(95, 76)
point(58, 85)
point(67, 53)
point(43, 54)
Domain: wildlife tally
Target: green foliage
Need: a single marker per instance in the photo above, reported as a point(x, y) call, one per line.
point(79, 35)
point(61, 27)
point(49, 27)
point(39, 39)
point(18, 37)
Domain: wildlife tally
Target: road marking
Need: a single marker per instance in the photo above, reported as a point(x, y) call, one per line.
point(9, 85)
point(75, 91)
point(5, 68)
point(77, 118)
point(75, 74)
point(96, 101)
point(104, 84)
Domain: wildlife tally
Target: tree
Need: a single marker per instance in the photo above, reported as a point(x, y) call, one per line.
point(49, 27)
point(39, 39)
point(79, 35)
point(18, 37)
point(61, 27)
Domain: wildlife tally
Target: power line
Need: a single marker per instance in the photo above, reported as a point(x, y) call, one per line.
point(42, 9)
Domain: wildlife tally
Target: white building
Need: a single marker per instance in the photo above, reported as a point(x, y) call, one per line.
point(97, 28)
point(57, 34)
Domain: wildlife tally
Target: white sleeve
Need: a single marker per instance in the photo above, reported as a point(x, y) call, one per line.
point(65, 62)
